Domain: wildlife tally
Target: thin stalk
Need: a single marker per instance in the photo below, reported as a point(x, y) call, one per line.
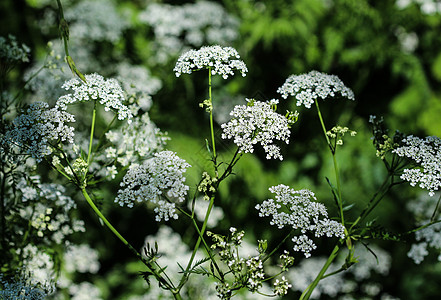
point(198, 242)
point(210, 99)
point(337, 175)
point(307, 293)
point(2, 207)
point(278, 246)
point(168, 285)
point(92, 129)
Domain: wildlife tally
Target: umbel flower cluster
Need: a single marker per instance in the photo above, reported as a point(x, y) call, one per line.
point(40, 129)
point(303, 214)
point(308, 87)
point(159, 180)
point(257, 123)
point(107, 91)
point(220, 60)
point(426, 154)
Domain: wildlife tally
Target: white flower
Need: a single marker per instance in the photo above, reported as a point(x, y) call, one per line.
point(257, 123)
point(220, 60)
point(11, 52)
point(107, 91)
point(309, 87)
point(426, 154)
point(157, 178)
point(304, 214)
point(81, 258)
point(40, 128)
point(281, 286)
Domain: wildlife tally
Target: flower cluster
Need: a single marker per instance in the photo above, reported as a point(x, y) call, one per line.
point(337, 133)
point(20, 289)
point(159, 180)
point(426, 154)
point(423, 210)
point(220, 60)
point(40, 129)
point(96, 20)
point(309, 87)
point(304, 214)
point(207, 185)
point(107, 91)
point(199, 23)
point(11, 52)
point(281, 286)
point(256, 123)
point(135, 141)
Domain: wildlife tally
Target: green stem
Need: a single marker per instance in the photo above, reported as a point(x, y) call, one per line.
point(307, 293)
point(337, 175)
point(210, 99)
point(278, 246)
point(198, 242)
point(150, 269)
point(92, 129)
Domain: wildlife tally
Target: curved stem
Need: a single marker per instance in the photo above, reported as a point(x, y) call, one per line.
point(92, 129)
point(150, 269)
point(337, 175)
point(213, 143)
point(198, 242)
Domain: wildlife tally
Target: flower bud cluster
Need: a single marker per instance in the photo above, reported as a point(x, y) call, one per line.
point(220, 60)
point(206, 185)
point(307, 88)
point(107, 91)
point(159, 180)
point(39, 129)
point(304, 214)
point(426, 155)
point(337, 133)
point(257, 123)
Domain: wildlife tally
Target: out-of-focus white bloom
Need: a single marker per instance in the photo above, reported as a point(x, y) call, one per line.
point(408, 40)
point(135, 141)
point(303, 274)
point(203, 22)
point(84, 291)
point(106, 91)
point(417, 252)
point(427, 7)
point(304, 214)
point(81, 258)
point(426, 154)
point(157, 179)
point(96, 20)
point(11, 52)
point(200, 209)
point(368, 263)
point(307, 88)
point(38, 128)
point(220, 60)
point(257, 123)
point(139, 84)
point(38, 264)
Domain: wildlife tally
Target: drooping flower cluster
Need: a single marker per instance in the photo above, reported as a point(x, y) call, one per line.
point(220, 60)
point(107, 91)
point(426, 154)
point(306, 88)
point(39, 129)
point(303, 214)
point(159, 180)
point(257, 123)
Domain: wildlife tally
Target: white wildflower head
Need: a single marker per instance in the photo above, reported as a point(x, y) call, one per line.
point(257, 123)
point(307, 88)
point(108, 92)
point(220, 60)
point(298, 210)
point(281, 286)
point(11, 53)
point(39, 129)
point(20, 289)
point(159, 180)
point(426, 155)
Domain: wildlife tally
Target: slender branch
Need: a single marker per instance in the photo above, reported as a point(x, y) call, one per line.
point(307, 293)
point(168, 285)
point(278, 246)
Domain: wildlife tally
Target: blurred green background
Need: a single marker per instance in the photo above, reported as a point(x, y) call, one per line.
point(387, 52)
